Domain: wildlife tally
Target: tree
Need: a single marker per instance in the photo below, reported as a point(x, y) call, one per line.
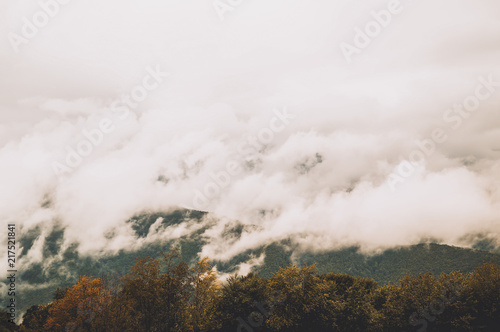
point(5, 325)
point(239, 301)
point(202, 310)
point(163, 295)
point(159, 301)
point(415, 304)
point(36, 317)
point(78, 307)
point(480, 298)
point(304, 301)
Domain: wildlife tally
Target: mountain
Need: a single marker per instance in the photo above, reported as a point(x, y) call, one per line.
point(61, 268)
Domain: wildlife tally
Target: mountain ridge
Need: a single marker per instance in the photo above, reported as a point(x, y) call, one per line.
point(38, 283)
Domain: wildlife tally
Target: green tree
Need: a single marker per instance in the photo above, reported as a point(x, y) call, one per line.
point(480, 299)
point(240, 298)
point(36, 317)
point(304, 301)
point(410, 306)
point(160, 301)
point(5, 325)
point(202, 309)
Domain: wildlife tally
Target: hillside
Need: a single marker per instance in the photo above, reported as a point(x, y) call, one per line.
point(38, 284)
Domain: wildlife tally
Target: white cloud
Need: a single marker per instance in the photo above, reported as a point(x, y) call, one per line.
point(227, 77)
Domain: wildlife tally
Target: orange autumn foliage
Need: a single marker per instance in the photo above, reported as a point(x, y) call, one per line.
point(79, 306)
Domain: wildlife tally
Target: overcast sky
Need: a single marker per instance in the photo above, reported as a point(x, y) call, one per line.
point(334, 137)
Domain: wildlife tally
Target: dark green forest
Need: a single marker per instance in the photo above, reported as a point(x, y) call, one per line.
point(62, 266)
point(168, 294)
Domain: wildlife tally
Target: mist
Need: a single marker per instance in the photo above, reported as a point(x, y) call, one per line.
point(258, 117)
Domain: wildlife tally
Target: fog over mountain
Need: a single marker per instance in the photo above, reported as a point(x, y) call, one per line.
point(261, 118)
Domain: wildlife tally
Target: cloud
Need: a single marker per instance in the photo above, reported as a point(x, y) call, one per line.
point(322, 181)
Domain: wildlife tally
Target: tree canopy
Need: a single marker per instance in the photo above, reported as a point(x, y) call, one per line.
point(166, 294)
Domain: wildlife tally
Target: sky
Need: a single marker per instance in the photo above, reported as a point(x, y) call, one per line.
point(333, 123)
